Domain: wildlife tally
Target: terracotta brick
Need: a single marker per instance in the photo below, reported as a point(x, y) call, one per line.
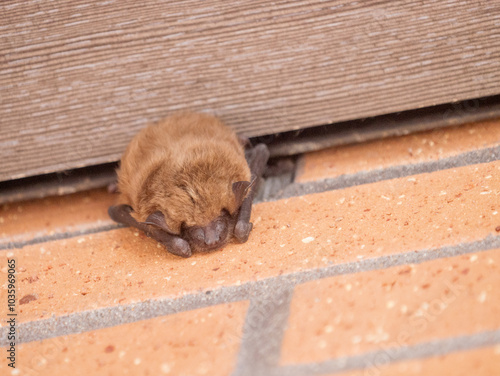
point(401, 215)
point(480, 362)
point(414, 148)
point(199, 342)
point(29, 219)
point(406, 305)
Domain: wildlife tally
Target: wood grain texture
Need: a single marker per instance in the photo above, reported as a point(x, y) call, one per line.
point(79, 78)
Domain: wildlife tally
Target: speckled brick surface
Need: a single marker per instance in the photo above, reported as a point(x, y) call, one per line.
point(198, 342)
point(393, 307)
point(414, 148)
point(480, 362)
point(404, 264)
point(24, 221)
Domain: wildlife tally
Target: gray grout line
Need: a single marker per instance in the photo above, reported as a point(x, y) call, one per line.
point(372, 361)
point(122, 314)
point(263, 331)
point(59, 236)
point(341, 182)
point(366, 177)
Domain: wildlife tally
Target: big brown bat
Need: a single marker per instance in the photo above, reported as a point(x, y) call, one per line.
point(188, 183)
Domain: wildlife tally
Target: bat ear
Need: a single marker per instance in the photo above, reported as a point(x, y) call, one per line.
point(157, 219)
point(241, 189)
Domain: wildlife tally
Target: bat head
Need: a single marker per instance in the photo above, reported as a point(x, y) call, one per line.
point(212, 235)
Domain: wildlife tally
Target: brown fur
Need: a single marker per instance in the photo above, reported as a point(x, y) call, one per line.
point(183, 166)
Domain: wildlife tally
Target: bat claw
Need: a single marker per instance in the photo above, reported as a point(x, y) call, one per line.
point(121, 214)
point(179, 247)
point(242, 231)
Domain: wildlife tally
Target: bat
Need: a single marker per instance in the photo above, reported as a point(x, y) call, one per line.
point(188, 183)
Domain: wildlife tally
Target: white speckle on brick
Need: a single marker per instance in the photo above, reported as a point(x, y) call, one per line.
point(165, 368)
point(390, 304)
point(282, 245)
point(442, 193)
point(356, 339)
point(379, 336)
point(193, 263)
point(10, 254)
point(348, 287)
point(15, 372)
point(473, 258)
point(302, 198)
point(485, 193)
point(137, 361)
point(482, 297)
point(307, 240)
point(403, 309)
point(328, 329)
point(80, 241)
point(412, 179)
point(488, 177)
point(385, 197)
point(136, 234)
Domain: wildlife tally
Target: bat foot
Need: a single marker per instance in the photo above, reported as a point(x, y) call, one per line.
point(179, 247)
point(242, 231)
point(121, 214)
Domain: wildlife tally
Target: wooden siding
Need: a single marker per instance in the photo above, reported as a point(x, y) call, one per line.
point(79, 78)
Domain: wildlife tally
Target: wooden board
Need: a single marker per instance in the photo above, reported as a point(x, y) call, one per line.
point(79, 78)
